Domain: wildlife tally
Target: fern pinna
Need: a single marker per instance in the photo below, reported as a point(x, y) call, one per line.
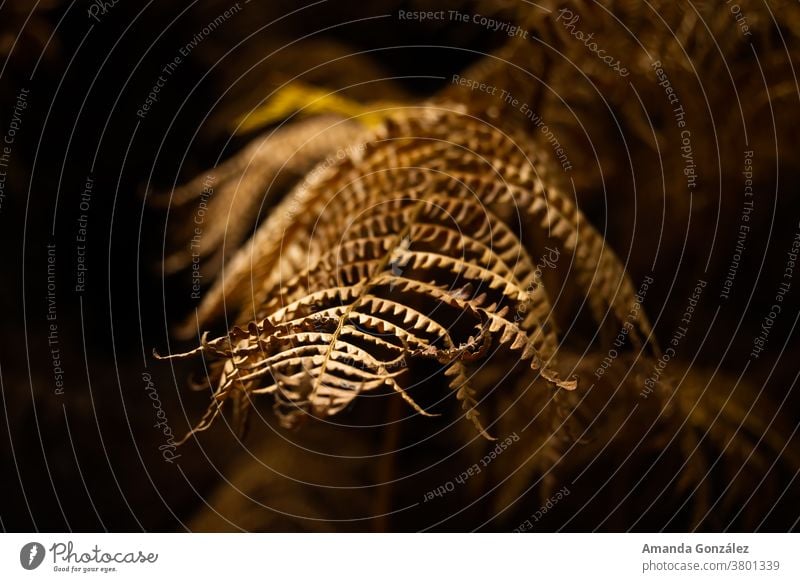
point(408, 248)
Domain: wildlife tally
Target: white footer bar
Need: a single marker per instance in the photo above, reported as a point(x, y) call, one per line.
point(396, 557)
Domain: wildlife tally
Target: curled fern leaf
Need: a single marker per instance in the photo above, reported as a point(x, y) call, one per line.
point(409, 249)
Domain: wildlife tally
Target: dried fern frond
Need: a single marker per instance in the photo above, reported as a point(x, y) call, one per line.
point(407, 249)
point(418, 247)
point(695, 444)
point(220, 208)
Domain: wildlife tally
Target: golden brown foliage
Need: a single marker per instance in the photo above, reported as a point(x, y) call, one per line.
point(419, 250)
point(408, 248)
